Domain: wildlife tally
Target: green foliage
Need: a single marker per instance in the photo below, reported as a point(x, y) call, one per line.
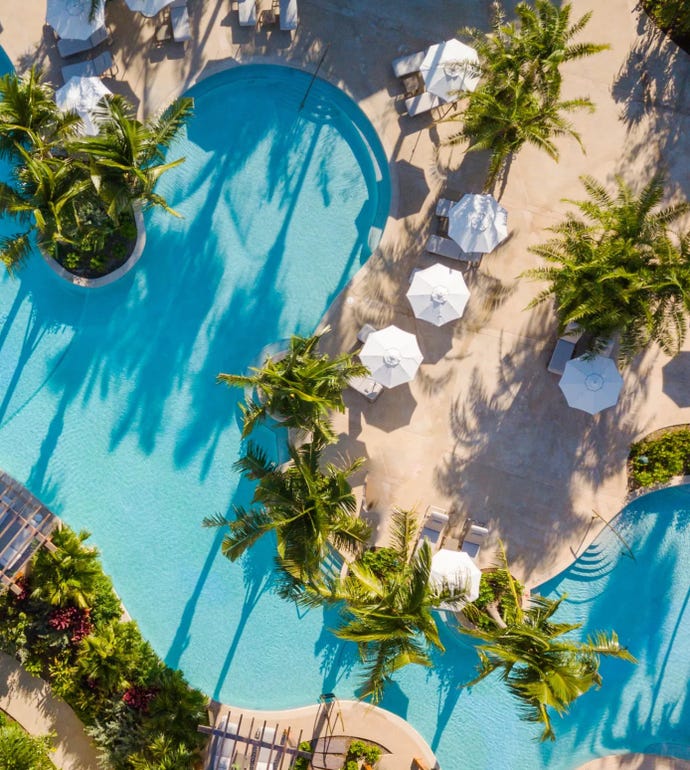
point(21, 751)
point(673, 16)
point(518, 100)
point(302, 386)
point(75, 193)
point(658, 460)
point(541, 664)
point(141, 714)
point(302, 763)
point(381, 561)
point(364, 751)
point(309, 508)
point(618, 270)
point(495, 589)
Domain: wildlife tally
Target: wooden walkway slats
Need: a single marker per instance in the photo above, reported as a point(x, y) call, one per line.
point(25, 524)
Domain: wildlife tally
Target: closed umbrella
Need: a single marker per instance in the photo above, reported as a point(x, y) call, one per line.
point(477, 223)
point(82, 94)
point(147, 7)
point(450, 67)
point(456, 570)
point(438, 294)
point(392, 356)
point(71, 18)
point(591, 384)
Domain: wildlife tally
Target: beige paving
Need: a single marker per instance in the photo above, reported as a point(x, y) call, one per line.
point(400, 742)
point(30, 702)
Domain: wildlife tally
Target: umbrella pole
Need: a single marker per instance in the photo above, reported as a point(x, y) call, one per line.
point(313, 78)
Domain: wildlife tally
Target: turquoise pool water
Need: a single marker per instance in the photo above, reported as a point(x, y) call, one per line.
point(109, 412)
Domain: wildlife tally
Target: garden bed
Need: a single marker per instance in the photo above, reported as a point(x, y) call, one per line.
point(659, 457)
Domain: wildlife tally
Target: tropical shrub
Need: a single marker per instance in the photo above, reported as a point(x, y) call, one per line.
point(673, 17)
point(361, 751)
point(518, 100)
point(659, 458)
point(21, 751)
point(75, 194)
point(65, 627)
point(619, 270)
point(495, 591)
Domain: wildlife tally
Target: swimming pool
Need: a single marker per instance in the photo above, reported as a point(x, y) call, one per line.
point(109, 413)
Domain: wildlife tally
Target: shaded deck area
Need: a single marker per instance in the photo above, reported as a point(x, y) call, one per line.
point(25, 524)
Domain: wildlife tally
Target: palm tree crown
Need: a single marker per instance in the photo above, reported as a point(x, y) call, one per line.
point(541, 666)
point(618, 270)
point(390, 613)
point(309, 508)
point(302, 387)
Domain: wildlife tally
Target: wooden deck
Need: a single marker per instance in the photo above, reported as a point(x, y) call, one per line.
point(25, 524)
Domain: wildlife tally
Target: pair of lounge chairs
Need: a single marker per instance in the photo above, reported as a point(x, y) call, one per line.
point(288, 14)
point(94, 68)
point(416, 104)
point(67, 47)
point(447, 247)
point(434, 527)
point(367, 386)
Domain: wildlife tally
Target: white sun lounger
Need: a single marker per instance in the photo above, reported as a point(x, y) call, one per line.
point(92, 68)
point(266, 755)
point(474, 540)
point(288, 15)
point(67, 47)
point(179, 18)
point(247, 12)
point(367, 386)
point(418, 105)
point(407, 65)
point(443, 207)
point(364, 332)
point(434, 527)
point(447, 247)
point(565, 347)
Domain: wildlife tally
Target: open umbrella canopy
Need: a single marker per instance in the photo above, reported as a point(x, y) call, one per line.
point(392, 356)
point(438, 294)
point(71, 18)
point(450, 67)
point(477, 223)
point(81, 95)
point(591, 384)
point(456, 570)
point(147, 7)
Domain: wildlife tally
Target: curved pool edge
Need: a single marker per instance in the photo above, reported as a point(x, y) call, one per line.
point(636, 761)
point(222, 65)
point(352, 718)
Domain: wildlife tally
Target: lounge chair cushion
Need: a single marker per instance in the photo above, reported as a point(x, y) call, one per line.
point(247, 13)
point(418, 105)
point(406, 65)
point(90, 68)
point(562, 353)
point(67, 47)
point(179, 18)
point(289, 16)
point(367, 386)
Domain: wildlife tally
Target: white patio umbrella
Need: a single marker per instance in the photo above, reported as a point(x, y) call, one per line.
point(82, 94)
point(457, 570)
point(147, 7)
point(477, 223)
point(450, 67)
point(591, 384)
point(438, 294)
point(392, 356)
point(70, 18)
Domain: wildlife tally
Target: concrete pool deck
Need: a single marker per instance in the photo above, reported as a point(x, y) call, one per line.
point(483, 430)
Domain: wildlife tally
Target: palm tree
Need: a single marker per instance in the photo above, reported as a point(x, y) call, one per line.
point(302, 387)
point(164, 754)
point(126, 158)
point(110, 658)
point(29, 117)
point(21, 751)
point(503, 121)
point(389, 613)
point(70, 575)
point(540, 668)
point(310, 509)
point(618, 271)
point(519, 99)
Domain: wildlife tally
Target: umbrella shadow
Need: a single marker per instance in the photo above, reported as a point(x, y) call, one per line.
point(676, 379)
point(393, 409)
